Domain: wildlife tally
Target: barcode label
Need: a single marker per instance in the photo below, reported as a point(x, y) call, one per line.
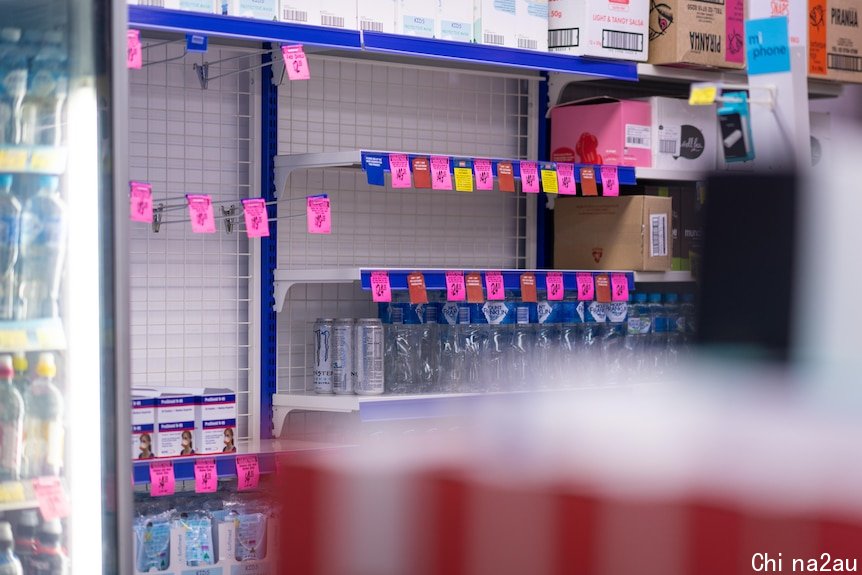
point(844, 63)
point(527, 44)
point(156, 3)
point(563, 38)
point(493, 39)
point(522, 315)
point(658, 235)
point(294, 15)
point(668, 147)
point(332, 21)
point(637, 136)
point(630, 41)
point(371, 25)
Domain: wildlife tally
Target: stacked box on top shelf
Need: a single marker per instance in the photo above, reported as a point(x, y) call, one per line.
point(512, 23)
point(329, 13)
point(454, 20)
point(684, 137)
point(601, 28)
point(698, 32)
point(206, 6)
point(376, 15)
point(835, 40)
point(416, 18)
point(257, 9)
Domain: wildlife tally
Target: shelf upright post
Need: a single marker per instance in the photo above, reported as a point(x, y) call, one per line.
point(268, 245)
point(542, 255)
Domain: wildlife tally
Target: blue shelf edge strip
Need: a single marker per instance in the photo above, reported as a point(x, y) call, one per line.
point(375, 164)
point(184, 468)
point(436, 279)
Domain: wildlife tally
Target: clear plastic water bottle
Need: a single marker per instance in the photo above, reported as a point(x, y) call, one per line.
point(43, 422)
point(613, 342)
point(10, 228)
point(25, 538)
point(494, 320)
point(398, 348)
point(451, 348)
point(658, 334)
point(428, 359)
point(47, 87)
point(11, 423)
point(546, 355)
point(474, 341)
point(42, 251)
point(675, 329)
point(638, 327)
point(689, 315)
point(13, 85)
point(9, 563)
point(521, 346)
point(571, 318)
point(50, 558)
point(589, 343)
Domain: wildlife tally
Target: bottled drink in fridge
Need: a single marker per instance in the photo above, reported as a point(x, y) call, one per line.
point(43, 422)
point(658, 331)
point(42, 251)
point(322, 368)
point(11, 422)
point(25, 538)
point(547, 349)
point(638, 327)
point(9, 563)
point(675, 327)
point(428, 356)
point(473, 342)
point(342, 357)
point(613, 342)
point(495, 321)
point(589, 342)
point(688, 311)
point(10, 227)
point(571, 317)
point(521, 347)
point(50, 559)
point(399, 347)
point(451, 348)
point(47, 87)
point(368, 372)
point(13, 85)
point(22, 375)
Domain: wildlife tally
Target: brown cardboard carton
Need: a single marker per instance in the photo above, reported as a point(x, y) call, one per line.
point(675, 194)
point(835, 40)
point(613, 233)
point(700, 32)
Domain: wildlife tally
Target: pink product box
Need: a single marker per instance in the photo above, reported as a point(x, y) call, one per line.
point(602, 131)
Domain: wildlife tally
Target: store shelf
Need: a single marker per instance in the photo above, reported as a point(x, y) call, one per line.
point(33, 160)
point(16, 495)
point(663, 277)
point(267, 451)
point(657, 174)
point(435, 279)
point(32, 335)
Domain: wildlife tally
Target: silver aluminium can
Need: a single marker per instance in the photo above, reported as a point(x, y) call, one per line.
point(368, 357)
point(322, 369)
point(342, 356)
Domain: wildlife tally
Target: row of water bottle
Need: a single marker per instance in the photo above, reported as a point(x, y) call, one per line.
point(34, 83)
point(512, 345)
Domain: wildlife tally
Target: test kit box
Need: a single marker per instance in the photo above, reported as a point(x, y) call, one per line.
point(699, 32)
point(175, 424)
point(377, 15)
point(205, 6)
point(617, 29)
point(328, 13)
point(454, 20)
point(835, 40)
point(683, 136)
point(416, 18)
point(215, 421)
point(612, 233)
point(143, 426)
point(602, 131)
point(531, 33)
point(257, 9)
point(513, 24)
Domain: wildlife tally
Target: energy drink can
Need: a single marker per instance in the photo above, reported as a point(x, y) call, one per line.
point(322, 369)
point(342, 356)
point(368, 357)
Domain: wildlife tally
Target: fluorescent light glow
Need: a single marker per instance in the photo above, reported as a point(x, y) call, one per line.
point(83, 317)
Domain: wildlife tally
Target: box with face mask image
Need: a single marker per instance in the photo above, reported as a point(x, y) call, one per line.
point(215, 421)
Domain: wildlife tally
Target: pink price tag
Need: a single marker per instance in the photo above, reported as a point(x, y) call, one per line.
point(456, 290)
point(206, 476)
point(619, 287)
point(319, 215)
point(161, 478)
point(566, 179)
point(256, 218)
point(484, 175)
point(400, 168)
point(201, 214)
point(494, 286)
point(51, 497)
point(134, 54)
point(586, 286)
point(610, 181)
point(441, 179)
point(530, 177)
point(381, 291)
point(247, 472)
point(295, 62)
point(554, 284)
point(141, 202)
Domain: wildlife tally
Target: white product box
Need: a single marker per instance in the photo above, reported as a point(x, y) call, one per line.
point(215, 421)
point(207, 6)
point(143, 426)
point(531, 32)
point(336, 14)
point(416, 18)
point(795, 10)
point(494, 22)
point(683, 136)
point(175, 424)
point(299, 11)
point(616, 29)
point(257, 9)
point(454, 20)
point(376, 15)
point(821, 138)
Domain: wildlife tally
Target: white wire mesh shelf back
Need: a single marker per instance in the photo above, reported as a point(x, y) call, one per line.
point(350, 105)
point(190, 292)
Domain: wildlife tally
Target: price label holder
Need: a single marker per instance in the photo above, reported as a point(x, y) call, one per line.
point(463, 176)
point(530, 177)
point(295, 62)
point(201, 213)
point(247, 472)
point(474, 288)
point(619, 287)
point(134, 53)
point(206, 476)
point(456, 290)
point(52, 499)
point(421, 173)
point(506, 176)
point(549, 179)
point(381, 291)
point(162, 480)
point(484, 174)
point(610, 181)
point(400, 169)
point(702, 94)
point(141, 202)
point(554, 285)
point(196, 43)
point(528, 288)
point(586, 286)
point(441, 179)
point(494, 286)
point(603, 288)
point(588, 182)
point(566, 180)
point(318, 215)
point(256, 218)
point(416, 288)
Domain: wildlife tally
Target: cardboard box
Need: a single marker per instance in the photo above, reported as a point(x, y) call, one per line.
point(328, 13)
point(454, 20)
point(531, 33)
point(613, 233)
point(683, 136)
point(299, 11)
point(257, 9)
point(416, 18)
point(675, 195)
point(602, 131)
point(205, 6)
point(835, 40)
point(215, 422)
point(700, 32)
point(691, 226)
point(494, 23)
point(175, 424)
point(143, 426)
point(376, 15)
point(796, 12)
point(603, 28)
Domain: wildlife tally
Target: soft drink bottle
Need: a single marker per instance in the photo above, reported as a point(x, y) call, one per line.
point(451, 348)
point(521, 345)
point(9, 564)
point(10, 228)
point(13, 85)
point(11, 422)
point(42, 251)
point(25, 538)
point(43, 422)
point(48, 85)
point(50, 559)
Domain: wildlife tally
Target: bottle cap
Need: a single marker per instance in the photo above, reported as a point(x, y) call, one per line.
point(53, 37)
point(688, 298)
point(671, 297)
point(5, 531)
point(6, 370)
point(5, 181)
point(655, 298)
point(46, 366)
point(20, 363)
point(52, 527)
point(29, 518)
point(640, 297)
point(50, 183)
point(11, 35)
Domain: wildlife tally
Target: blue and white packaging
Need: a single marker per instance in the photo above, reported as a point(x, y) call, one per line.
point(511, 23)
point(175, 424)
point(454, 20)
point(549, 312)
point(595, 312)
point(416, 18)
point(143, 426)
point(616, 312)
point(376, 15)
point(215, 421)
point(257, 9)
point(492, 313)
point(205, 6)
point(328, 13)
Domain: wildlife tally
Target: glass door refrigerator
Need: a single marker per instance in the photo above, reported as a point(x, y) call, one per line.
point(65, 486)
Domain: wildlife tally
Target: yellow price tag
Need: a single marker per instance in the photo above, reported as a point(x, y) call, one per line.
point(549, 181)
point(13, 339)
point(703, 95)
point(13, 160)
point(463, 179)
point(12, 492)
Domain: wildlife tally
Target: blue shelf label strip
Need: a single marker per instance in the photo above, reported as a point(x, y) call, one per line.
point(436, 279)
